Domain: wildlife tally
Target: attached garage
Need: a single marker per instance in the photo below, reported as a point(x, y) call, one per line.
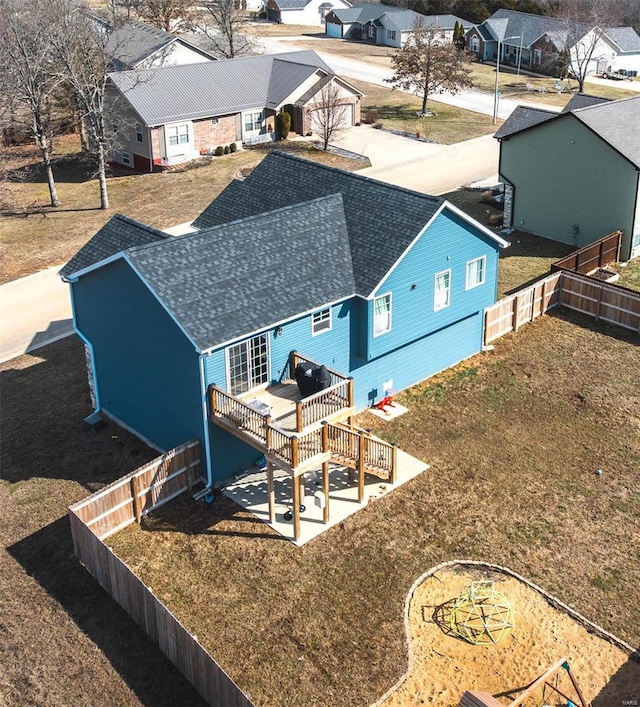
point(334, 30)
point(274, 15)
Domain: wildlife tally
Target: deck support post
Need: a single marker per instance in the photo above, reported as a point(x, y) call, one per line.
point(299, 422)
point(302, 491)
point(271, 492)
point(296, 508)
point(394, 464)
point(325, 472)
point(361, 443)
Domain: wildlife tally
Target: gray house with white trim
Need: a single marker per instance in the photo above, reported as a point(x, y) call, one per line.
point(574, 176)
point(175, 114)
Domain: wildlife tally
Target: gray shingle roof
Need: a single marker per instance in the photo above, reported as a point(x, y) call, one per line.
point(377, 241)
point(522, 118)
point(511, 23)
point(208, 89)
point(118, 234)
point(218, 290)
point(135, 41)
point(616, 122)
point(582, 100)
point(292, 4)
point(625, 37)
point(401, 17)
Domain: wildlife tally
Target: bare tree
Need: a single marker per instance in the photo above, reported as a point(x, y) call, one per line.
point(330, 113)
point(582, 43)
point(82, 53)
point(28, 74)
point(427, 64)
point(169, 15)
point(225, 25)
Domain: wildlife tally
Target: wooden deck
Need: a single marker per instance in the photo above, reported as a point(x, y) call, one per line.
point(280, 400)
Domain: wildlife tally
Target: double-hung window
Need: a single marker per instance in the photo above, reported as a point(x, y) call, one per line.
point(391, 35)
point(476, 270)
point(442, 295)
point(321, 321)
point(382, 314)
point(178, 134)
point(253, 121)
point(139, 137)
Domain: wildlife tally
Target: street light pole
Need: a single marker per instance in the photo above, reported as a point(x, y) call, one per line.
point(496, 92)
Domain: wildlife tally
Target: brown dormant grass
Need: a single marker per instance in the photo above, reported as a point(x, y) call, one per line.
point(513, 437)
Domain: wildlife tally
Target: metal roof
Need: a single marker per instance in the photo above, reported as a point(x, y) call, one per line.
point(208, 89)
point(402, 18)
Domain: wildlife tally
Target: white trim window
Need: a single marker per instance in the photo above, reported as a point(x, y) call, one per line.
point(474, 44)
point(139, 137)
point(126, 158)
point(442, 292)
point(372, 31)
point(537, 56)
point(382, 314)
point(177, 134)
point(252, 121)
point(476, 272)
point(391, 35)
point(321, 321)
point(248, 364)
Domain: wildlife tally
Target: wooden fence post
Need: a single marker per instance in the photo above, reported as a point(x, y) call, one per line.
point(135, 488)
point(516, 312)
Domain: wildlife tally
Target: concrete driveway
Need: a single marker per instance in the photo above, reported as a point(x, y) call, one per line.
point(425, 167)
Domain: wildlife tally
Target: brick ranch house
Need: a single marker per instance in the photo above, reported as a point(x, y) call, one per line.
point(175, 114)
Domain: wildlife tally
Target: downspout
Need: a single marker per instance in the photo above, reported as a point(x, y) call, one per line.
point(205, 419)
point(89, 345)
point(634, 216)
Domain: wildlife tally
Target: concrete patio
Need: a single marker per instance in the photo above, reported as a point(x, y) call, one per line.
point(249, 490)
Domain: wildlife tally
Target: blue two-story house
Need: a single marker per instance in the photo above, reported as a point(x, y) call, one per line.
point(188, 336)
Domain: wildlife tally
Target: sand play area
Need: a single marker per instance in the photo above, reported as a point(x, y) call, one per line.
point(443, 666)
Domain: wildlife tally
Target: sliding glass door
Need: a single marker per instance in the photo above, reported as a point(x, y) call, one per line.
point(248, 364)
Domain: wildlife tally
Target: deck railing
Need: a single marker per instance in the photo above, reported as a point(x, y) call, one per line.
point(324, 403)
point(380, 455)
point(243, 416)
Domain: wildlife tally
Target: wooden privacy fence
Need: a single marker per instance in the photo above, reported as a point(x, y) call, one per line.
point(113, 508)
point(510, 313)
point(595, 255)
point(162, 627)
point(125, 501)
point(603, 301)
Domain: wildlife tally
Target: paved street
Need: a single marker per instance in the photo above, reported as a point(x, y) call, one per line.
point(34, 310)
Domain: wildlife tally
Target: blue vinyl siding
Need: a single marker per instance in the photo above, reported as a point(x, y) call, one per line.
point(448, 244)
point(418, 360)
point(331, 347)
point(147, 371)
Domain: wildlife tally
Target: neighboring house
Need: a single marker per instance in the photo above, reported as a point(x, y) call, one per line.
point(387, 25)
point(137, 45)
point(174, 114)
point(574, 176)
point(384, 285)
point(302, 12)
point(535, 43)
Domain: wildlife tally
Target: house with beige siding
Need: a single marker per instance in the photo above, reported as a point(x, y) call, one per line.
point(175, 114)
point(574, 176)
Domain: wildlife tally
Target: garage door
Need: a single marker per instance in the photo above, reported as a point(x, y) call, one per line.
point(334, 30)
